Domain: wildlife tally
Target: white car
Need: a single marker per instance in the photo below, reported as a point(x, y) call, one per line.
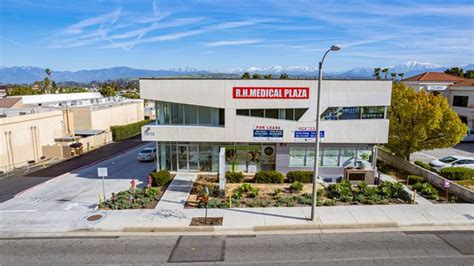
point(452, 161)
point(147, 154)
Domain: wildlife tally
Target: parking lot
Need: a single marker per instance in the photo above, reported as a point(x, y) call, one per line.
point(462, 149)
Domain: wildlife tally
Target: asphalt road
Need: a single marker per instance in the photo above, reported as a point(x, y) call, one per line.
point(394, 248)
point(462, 149)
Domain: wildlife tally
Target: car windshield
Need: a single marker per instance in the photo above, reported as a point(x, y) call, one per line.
point(146, 151)
point(448, 159)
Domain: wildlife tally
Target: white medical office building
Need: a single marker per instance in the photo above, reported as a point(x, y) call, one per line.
point(265, 124)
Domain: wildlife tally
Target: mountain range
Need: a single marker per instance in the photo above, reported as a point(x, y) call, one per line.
point(29, 74)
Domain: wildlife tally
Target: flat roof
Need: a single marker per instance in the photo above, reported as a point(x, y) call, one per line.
point(236, 79)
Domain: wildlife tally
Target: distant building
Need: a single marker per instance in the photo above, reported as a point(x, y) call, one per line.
point(458, 90)
point(33, 126)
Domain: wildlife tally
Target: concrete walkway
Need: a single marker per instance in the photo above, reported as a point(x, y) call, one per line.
point(350, 216)
point(419, 199)
point(177, 193)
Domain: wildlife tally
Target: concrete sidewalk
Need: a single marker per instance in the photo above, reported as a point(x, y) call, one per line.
point(293, 218)
point(177, 193)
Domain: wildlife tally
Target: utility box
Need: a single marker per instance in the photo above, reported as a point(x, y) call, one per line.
point(356, 175)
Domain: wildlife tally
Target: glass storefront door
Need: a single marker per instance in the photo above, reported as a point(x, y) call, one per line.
point(193, 157)
point(182, 157)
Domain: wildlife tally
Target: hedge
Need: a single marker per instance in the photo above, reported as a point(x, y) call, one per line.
point(160, 178)
point(413, 179)
point(234, 177)
point(457, 173)
point(424, 165)
point(127, 131)
point(300, 176)
point(268, 177)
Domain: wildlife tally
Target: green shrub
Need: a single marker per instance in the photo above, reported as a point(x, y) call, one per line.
point(234, 177)
point(305, 199)
point(296, 186)
point(244, 188)
point(329, 202)
point(254, 192)
point(427, 190)
point(301, 176)
point(277, 191)
point(424, 165)
point(413, 179)
point(127, 131)
point(216, 203)
point(268, 177)
point(457, 173)
point(160, 178)
point(340, 190)
point(285, 201)
point(399, 192)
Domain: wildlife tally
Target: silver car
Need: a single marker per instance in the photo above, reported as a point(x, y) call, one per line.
point(147, 155)
point(452, 161)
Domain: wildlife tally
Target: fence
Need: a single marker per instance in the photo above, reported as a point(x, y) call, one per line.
point(430, 177)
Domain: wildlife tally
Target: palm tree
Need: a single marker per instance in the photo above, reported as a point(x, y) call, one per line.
point(377, 72)
point(394, 75)
point(385, 70)
point(401, 75)
point(48, 72)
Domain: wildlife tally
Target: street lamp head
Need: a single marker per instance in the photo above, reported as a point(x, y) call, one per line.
point(335, 47)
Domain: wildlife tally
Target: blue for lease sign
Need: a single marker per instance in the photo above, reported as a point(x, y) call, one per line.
point(308, 134)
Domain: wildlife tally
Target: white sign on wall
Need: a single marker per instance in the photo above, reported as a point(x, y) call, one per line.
point(436, 88)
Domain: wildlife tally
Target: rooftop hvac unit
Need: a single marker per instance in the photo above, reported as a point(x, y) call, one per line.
point(22, 113)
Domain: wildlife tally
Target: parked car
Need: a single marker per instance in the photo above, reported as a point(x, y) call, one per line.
point(452, 161)
point(147, 155)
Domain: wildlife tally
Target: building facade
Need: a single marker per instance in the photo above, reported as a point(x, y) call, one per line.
point(459, 92)
point(265, 124)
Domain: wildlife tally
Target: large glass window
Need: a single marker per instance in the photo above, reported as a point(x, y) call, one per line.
point(330, 157)
point(191, 115)
point(286, 114)
point(205, 158)
point(354, 112)
point(460, 101)
point(364, 157)
point(185, 114)
point(347, 157)
point(297, 156)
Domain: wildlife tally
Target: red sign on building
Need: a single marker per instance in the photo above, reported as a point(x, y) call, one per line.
point(270, 93)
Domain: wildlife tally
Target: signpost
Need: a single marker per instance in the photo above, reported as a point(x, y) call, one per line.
point(102, 172)
point(447, 185)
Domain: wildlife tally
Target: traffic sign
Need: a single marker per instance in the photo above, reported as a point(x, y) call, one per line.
point(102, 171)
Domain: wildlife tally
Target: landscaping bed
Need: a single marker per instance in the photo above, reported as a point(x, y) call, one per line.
point(248, 193)
point(209, 221)
point(140, 198)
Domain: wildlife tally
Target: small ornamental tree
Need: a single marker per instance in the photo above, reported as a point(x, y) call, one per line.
point(421, 121)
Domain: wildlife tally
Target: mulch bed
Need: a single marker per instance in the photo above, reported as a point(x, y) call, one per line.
point(210, 221)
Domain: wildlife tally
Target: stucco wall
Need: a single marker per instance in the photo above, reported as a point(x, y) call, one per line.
point(117, 115)
point(18, 138)
point(218, 93)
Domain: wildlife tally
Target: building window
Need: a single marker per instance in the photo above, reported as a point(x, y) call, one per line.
point(297, 156)
point(460, 101)
point(186, 114)
point(330, 157)
point(284, 114)
point(354, 112)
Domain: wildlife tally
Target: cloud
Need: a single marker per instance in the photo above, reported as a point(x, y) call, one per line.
point(232, 43)
point(109, 18)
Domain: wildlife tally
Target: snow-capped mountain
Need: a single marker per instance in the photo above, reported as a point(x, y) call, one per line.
point(29, 74)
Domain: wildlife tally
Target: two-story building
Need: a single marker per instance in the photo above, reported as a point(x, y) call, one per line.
point(265, 124)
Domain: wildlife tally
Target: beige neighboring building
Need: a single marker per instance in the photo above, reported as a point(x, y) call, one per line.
point(103, 116)
point(23, 132)
point(458, 90)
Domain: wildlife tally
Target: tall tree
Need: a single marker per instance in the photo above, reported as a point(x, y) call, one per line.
point(401, 75)
point(394, 75)
point(256, 76)
point(284, 76)
point(48, 72)
point(421, 121)
point(469, 74)
point(46, 85)
point(377, 72)
point(107, 91)
point(268, 76)
point(455, 71)
point(246, 75)
point(385, 71)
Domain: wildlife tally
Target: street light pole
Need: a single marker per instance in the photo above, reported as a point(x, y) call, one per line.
point(316, 146)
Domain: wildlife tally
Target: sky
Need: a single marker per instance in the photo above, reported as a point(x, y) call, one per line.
point(215, 34)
